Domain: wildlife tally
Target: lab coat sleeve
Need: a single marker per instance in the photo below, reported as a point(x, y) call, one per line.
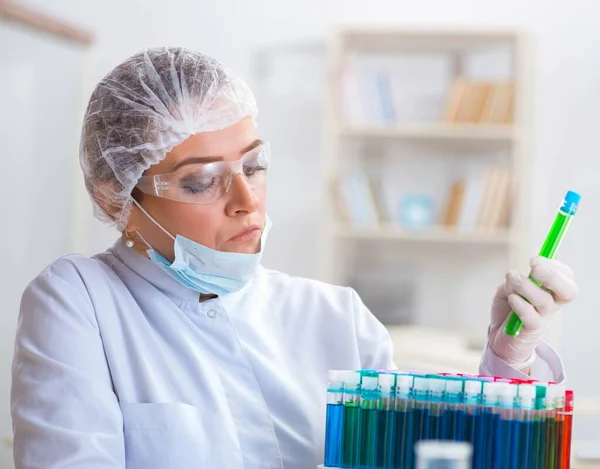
point(374, 341)
point(64, 411)
point(547, 367)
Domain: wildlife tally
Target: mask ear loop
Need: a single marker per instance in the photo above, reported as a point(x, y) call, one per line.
point(153, 221)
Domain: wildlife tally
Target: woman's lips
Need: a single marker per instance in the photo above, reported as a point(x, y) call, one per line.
point(248, 235)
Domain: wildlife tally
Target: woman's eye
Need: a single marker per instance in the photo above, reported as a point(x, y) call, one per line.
point(197, 187)
point(252, 170)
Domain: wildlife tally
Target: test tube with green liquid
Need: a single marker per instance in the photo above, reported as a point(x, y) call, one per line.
point(555, 236)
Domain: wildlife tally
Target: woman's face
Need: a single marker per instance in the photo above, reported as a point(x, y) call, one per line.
point(233, 223)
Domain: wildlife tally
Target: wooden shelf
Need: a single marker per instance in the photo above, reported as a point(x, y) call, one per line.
point(424, 39)
point(431, 235)
point(441, 131)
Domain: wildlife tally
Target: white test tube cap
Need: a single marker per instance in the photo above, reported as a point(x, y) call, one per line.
point(491, 392)
point(351, 378)
point(526, 396)
point(404, 382)
point(421, 384)
point(555, 393)
point(369, 382)
point(432, 453)
point(507, 393)
point(387, 380)
point(454, 386)
point(472, 387)
point(437, 385)
point(336, 376)
point(491, 388)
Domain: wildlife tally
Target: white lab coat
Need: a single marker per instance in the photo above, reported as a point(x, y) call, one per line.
point(118, 365)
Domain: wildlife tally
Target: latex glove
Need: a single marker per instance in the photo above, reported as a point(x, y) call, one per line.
point(537, 313)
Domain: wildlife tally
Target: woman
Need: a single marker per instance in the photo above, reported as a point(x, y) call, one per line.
point(175, 348)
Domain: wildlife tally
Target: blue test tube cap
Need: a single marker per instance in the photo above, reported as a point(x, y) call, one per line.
point(571, 203)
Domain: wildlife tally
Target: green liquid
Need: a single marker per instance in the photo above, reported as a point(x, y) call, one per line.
point(367, 449)
point(350, 434)
point(551, 245)
point(550, 442)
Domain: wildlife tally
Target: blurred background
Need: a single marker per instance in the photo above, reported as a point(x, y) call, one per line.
point(420, 149)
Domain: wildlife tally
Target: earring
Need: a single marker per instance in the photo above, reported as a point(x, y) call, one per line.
point(129, 242)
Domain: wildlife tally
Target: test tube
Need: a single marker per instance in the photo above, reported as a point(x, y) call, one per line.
point(472, 399)
point(437, 407)
point(568, 417)
point(553, 399)
point(350, 426)
point(455, 412)
point(387, 420)
point(368, 423)
point(539, 426)
point(334, 418)
point(506, 440)
point(525, 414)
point(553, 240)
point(489, 418)
point(405, 438)
point(421, 408)
point(560, 427)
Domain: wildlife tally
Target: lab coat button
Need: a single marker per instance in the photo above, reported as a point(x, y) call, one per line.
point(211, 313)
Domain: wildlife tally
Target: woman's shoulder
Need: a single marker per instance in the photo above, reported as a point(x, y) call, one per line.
point(74, 270)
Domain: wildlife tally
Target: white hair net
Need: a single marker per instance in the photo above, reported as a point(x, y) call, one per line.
point(143, 108)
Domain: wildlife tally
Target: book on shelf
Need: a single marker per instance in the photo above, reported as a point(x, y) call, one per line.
point(366, 95)
point(479, 102)
point(355, 201)
point(454, 204)
point(481, 202)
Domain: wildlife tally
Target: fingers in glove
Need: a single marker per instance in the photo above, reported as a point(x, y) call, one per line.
point(552, 264)
point(540, 299)
point(562, 286)
point(526, 312)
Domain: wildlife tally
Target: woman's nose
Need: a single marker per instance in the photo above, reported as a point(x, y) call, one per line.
point(241, 197)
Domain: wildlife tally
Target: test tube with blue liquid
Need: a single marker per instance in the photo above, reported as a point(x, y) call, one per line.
point(437, 407)
point(421, 408)
point(525, 414)
point(472, 415)
point(489, 418)
point(334, 418)
point(454, 428)
point(506, 440)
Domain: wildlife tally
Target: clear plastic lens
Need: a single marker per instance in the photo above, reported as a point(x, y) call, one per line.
point(206, 183)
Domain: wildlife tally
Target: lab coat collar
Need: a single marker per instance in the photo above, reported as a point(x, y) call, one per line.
point(152, 273)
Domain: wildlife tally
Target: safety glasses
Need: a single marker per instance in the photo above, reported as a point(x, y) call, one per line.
point(206, 183)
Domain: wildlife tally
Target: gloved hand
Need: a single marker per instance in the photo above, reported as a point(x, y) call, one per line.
point(537, 315)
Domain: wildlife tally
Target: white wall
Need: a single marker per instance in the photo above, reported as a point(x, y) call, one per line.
point(566, 97)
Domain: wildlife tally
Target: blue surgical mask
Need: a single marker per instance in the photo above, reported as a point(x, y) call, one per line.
point(207, 270)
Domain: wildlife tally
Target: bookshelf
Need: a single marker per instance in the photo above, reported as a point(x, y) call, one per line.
point(431, 235)
point(435, 131)
point(426, 161)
